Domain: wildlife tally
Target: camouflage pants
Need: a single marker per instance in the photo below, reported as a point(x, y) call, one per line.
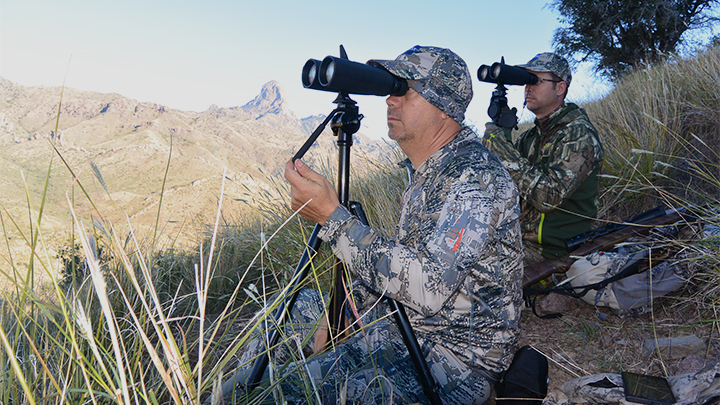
point(372, 366)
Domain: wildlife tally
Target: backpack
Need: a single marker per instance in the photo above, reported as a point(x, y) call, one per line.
point(617, 287)
point(635, 273)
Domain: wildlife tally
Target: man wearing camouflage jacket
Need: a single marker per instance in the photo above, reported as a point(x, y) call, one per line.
point(455, 261)
point(555, 164)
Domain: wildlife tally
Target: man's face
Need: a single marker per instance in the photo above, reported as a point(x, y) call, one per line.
point(546, 95)
point(410, 116)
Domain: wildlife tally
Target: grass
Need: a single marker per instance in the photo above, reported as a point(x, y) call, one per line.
point(143, 325)
point(659, 127)
point(119, 319)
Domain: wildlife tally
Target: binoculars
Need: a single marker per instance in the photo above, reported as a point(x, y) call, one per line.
point(500, 73)
point(342, 75)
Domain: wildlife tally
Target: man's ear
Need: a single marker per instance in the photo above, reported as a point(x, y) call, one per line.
point(561, 88)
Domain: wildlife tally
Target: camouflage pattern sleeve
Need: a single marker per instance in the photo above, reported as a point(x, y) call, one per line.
point(570, 162)
point(361, 297)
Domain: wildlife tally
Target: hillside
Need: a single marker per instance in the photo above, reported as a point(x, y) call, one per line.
point(119, 150)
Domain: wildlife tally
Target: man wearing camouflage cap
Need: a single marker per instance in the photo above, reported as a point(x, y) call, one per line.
point(454, 261)
point(555, 164)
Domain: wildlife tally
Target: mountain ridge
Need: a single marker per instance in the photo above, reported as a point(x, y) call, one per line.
point(119, 149)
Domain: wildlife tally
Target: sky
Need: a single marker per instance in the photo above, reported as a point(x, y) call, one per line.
point(189, 55)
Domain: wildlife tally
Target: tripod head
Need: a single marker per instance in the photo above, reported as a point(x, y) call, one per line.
point(499, 111)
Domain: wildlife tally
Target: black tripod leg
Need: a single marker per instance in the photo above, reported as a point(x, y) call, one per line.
point(248, 381)
point(337, 302)
point(416, 355)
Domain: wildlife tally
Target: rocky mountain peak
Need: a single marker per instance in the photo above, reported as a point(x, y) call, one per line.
point(271, 100)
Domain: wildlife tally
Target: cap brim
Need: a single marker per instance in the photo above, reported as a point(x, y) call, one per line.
point(534, 68)
point(403, 69)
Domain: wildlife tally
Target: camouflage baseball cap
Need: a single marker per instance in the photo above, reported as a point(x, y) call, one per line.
point(550, 62)
point(440, 76)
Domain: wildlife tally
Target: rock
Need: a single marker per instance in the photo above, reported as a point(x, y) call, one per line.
point(271, 100)
point(675, 347)
point(689, 364)
point(554, 303)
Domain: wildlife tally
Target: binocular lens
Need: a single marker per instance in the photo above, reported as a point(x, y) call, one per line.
point(312, 74)
point(329, 73)
point(483, 72)
point(496, 69)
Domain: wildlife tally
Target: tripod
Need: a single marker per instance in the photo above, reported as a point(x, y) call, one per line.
point(345, 122)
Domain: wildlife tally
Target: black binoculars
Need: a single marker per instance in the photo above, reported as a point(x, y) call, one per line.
point(342, 75)
point(500, 73)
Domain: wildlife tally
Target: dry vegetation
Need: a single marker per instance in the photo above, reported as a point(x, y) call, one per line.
point(154, 325)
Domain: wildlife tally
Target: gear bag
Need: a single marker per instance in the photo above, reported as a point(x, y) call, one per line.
point(627, 279)
point(629, 292)
point(526, 380)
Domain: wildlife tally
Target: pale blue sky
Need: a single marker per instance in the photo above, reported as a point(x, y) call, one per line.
point(189, 55)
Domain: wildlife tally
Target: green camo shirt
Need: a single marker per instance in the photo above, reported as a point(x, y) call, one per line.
point(456, 258)
point(556, 171)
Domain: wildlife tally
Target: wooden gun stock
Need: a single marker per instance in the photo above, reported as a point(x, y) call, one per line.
point(539, 271)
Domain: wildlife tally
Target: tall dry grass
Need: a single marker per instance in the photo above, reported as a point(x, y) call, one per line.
point(140, 325)
point(660, 129)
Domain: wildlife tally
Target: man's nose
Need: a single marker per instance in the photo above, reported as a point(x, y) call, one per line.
point(392, 101)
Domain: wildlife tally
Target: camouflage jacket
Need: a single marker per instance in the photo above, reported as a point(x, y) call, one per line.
point(556, 172)
point(455, 261)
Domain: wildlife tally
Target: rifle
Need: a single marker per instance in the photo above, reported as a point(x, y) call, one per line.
point(577, 241)
point(539, 271)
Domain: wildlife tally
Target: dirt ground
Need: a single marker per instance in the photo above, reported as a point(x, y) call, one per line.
point(580, 343)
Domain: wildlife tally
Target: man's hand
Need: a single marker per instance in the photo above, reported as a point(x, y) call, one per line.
point(490, 128)
point(493, 132)
point(307, 185)
point(322, 334)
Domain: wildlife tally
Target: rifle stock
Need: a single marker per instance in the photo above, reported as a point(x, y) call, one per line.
point(539, 271)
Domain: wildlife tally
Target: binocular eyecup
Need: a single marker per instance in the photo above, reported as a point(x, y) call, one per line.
point(500, 73)
point(342, 75)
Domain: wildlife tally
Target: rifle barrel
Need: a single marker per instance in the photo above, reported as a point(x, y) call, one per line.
point(577, 241)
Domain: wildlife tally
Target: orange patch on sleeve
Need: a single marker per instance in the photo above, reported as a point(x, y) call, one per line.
point(457, 242)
